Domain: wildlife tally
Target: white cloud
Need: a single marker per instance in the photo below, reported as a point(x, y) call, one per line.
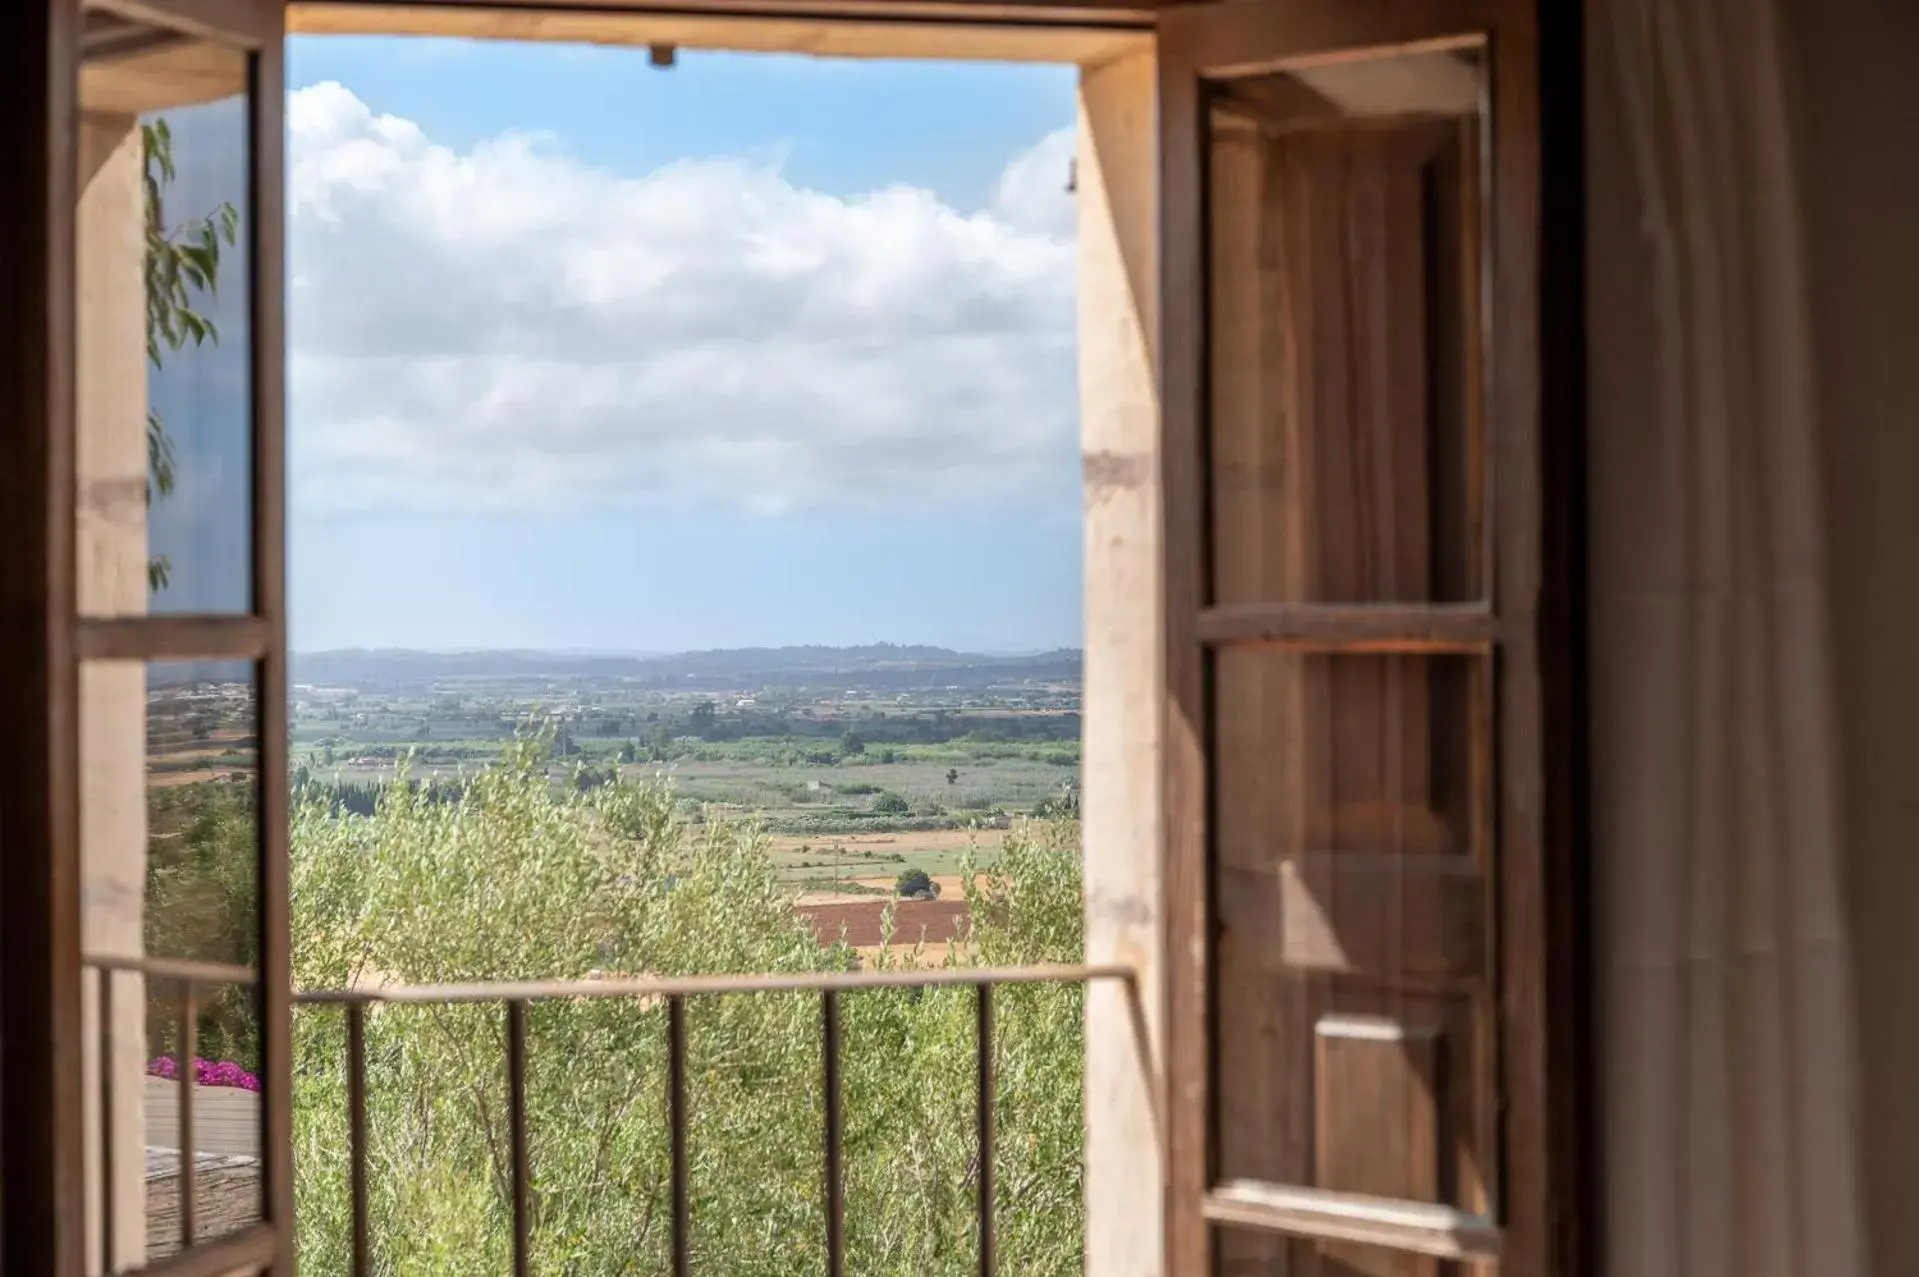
point(506, 327)
point(1033, 192)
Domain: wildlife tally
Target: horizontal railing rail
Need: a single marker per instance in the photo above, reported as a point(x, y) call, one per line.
point(516, 998)
point(180, 969)
point(694, 986)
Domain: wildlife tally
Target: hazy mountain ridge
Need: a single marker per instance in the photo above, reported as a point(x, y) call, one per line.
point(873, 664)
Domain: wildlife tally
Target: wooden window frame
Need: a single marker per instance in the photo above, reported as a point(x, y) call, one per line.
point(42, 1145)
point(43, 642)
point(46, 642)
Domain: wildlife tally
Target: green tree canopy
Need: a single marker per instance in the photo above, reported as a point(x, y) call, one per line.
point(517, 881)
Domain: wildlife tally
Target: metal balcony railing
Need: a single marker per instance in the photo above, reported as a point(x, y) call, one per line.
point(255, 1245)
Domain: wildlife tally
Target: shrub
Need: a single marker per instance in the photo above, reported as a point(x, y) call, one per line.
point(887, 803)
point(200, 905)
point(913, 882)
point(205, 1072)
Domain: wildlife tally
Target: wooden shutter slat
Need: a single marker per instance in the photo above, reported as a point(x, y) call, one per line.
point(1325, 1215)
point(1412, 629)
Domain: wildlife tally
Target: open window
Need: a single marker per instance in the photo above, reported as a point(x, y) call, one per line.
point(180, 628)
point(1354, 824)
point(1343, 896)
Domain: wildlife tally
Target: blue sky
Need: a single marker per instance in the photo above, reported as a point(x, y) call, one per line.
point(589, 355)
point(200, 394)
point(766, 456)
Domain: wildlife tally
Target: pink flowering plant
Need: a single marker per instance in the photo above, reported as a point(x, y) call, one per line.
point(205, 1072)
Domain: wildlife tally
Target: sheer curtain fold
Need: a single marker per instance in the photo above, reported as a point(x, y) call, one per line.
point(1724, 997)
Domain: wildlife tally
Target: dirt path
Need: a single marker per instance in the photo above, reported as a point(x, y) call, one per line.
point(834, 897)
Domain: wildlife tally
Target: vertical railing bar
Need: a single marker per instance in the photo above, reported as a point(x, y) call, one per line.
point(356, 1133)
point(835, 1184)
point(676, 1128)
point(988, 1149)
point(516, 1124)
point(189, 1044)
point(108, 1263)
point(989, 1095)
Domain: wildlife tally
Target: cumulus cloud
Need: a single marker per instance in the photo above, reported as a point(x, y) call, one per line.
point(1032, 192)
point(506, 327)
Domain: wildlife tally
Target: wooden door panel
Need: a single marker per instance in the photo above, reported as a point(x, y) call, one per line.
point(1379, 1092)
point(1329, 341)
point(1364, 1054)
point(1382, 1095)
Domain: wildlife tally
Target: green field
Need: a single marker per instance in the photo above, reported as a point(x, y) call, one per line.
point(837, 862)
point(852, 772)
point(803, 799)
point(822, 819)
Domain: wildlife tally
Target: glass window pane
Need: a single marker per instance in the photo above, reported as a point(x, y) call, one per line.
point(165, 397)
point(170, 848)
point(1347, 459)
point(202, 784)
point(1354, 932)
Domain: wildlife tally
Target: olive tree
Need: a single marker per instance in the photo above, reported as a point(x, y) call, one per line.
point(518, 880)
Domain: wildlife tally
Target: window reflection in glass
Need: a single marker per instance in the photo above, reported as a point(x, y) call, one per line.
point(1347, 448)
point(164, 407)
point(170, 837)
point(1351, 848)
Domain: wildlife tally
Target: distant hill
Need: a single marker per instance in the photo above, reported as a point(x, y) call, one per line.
point(874, 665)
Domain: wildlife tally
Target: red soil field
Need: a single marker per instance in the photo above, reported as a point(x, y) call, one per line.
point(936, 921)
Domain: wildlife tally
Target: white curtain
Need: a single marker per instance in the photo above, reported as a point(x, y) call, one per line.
point(1726, 1026)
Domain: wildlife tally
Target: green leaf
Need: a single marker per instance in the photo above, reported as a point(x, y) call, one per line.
point(179, 267)
point(159, 458)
